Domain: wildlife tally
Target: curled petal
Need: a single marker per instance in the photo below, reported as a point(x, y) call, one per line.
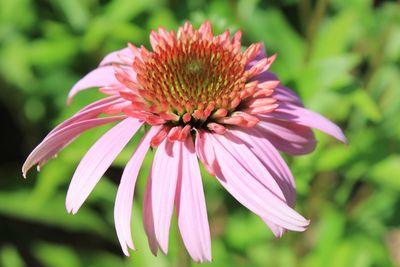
point(56, 141)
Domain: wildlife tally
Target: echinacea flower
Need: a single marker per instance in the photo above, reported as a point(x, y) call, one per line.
point(202, 98)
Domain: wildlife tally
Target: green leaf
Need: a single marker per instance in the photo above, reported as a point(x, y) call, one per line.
point(386, 172)
point(366, 105)
point(10, 257)
point(76, 12)
point(61, 256)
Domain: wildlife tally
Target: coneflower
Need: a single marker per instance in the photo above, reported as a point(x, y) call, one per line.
point(202, 98)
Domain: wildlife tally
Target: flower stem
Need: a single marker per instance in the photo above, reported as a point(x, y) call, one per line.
point(313, 25)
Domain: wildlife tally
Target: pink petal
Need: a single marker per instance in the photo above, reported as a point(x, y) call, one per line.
point(114, 57)
point(56, 141)
point(102, 76)
point(281, 93)
point(304, 117)
point(248, 160)
point(308, 118)
point(287, 136)
point(148, 220)
point(271, 159)
point(191, 207)
point(209, 160)
point(89, 112)
point(166, 168)
point(97, 160)
point(286, 95)
point(274, 163)
point(276, 229)
point(241, 184)
point(261, 55)
point(124, 199)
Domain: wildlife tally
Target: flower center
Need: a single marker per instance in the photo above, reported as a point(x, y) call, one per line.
point(193, 79)
point(191, 76)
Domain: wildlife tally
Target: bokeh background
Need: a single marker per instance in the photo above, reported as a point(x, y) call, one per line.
point(341, 56)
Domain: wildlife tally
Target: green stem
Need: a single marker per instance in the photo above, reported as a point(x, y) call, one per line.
point(313, 26)
point(304, 13)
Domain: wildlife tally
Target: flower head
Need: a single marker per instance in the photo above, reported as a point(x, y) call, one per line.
point(206, 99)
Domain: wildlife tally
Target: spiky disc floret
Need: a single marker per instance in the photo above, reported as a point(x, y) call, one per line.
point(194, 79)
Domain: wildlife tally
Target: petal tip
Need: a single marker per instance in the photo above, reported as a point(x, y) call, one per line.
point(164, 248)
point(69, 100)
point(69, 206)
point(344, 140)
point(125, 249)
point(24, 171)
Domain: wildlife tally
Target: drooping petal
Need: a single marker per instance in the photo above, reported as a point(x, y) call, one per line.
point(165, 170)
point(124, 199)
point(274, 184)
point(191, 207)
point(97, 160)
point(274, 163)
point(56, 141)
point(89, 112)
point(102, 76)
point(308, 118)
point(248, 160)
point(271, 159)
point(241, 184)
point(148, 220)
point(115, 56)
point(287, 136)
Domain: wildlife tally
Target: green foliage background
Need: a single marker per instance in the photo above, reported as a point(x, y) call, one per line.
point(341, 56)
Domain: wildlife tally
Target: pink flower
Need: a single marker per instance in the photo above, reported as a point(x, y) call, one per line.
point(203, 98)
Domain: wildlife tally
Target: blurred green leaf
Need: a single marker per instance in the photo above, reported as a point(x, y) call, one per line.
point(61, 256)
point(17, 204)
point(366, 105)
point(76, 12)
point(9, 257)
point(15, 15)
point(386, 172)
point(256, 231)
